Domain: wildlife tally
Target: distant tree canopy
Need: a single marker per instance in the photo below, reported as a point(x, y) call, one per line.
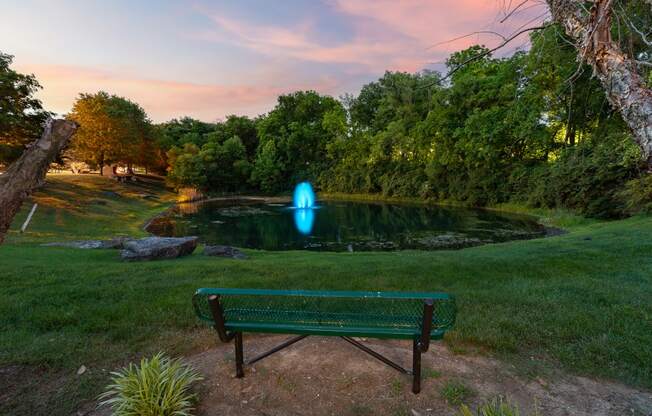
point(21, 114)
point(112, 130)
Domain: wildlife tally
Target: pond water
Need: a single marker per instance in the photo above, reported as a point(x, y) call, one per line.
point(342, 226)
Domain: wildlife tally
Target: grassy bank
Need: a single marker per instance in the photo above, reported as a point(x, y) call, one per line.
point(581, 301)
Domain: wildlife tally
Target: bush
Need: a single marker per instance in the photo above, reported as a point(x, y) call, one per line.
point(157, 387)
point(637, 195)
point(585, 178)
point(496, 407)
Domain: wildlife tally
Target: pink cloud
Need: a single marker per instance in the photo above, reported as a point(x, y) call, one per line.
point(161, 99)
point(388, 34)
point(296, 43)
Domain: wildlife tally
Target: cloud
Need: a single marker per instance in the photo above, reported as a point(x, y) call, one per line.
point(386, 34)
point(297, 43)
point(161, 99)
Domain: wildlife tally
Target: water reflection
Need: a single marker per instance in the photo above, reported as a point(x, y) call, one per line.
point(304, 219)
point(341, 226)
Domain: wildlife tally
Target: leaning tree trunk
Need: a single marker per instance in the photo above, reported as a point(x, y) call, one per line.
point(625, 88)
point(28, 172)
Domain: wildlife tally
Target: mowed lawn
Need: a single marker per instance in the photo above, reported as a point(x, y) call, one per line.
point(580, 301)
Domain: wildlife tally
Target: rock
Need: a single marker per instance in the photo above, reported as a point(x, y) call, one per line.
point(157, 248)
point(117, 242)
point(224, 251)
point(77, 244)
point(448, 240)
point(81, 370)
point(241, 211)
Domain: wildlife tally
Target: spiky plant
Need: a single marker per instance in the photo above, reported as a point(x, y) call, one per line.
point(159, 386)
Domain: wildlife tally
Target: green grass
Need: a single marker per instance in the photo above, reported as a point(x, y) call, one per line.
point(455, 392)
point(581, 301)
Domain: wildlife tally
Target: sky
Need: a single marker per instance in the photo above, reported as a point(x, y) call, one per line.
point(210, 59)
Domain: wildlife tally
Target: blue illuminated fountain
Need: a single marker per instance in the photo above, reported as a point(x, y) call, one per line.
point(303, 203)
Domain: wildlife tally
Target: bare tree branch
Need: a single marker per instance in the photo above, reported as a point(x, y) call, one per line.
point(490, 51)
point(514, 10)
point(479, 32)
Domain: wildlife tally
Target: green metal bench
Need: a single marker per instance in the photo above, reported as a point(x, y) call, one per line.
point(420, 317)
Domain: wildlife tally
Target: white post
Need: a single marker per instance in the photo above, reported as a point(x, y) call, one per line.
point(29, 218)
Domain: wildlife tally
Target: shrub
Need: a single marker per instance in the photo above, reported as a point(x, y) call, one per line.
point(496, 407)
point(157, 387)
point(637, 195)
point(585, 178)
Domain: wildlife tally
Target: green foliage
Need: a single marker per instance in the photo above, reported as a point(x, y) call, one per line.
point(496, 407)
point(300, 128)
point(637, 195)
point(586, 178)
point(21, 114)
point(455, 392)
point(159, 386)
point(216, 166)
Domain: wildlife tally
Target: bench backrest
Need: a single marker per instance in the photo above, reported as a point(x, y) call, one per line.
point(373, 314)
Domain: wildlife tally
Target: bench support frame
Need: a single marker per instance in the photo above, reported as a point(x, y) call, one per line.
point(420, 344)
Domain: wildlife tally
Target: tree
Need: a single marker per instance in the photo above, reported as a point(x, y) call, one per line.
point(21, 114)
point(296, 128)
point(618, 72)
point(621, 64)
point(243, 128)
point(213, 167)
point(112, 130)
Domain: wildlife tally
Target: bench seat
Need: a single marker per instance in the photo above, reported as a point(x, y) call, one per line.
point(418, 316)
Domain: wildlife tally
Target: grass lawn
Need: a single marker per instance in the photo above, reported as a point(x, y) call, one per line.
point(581, 301)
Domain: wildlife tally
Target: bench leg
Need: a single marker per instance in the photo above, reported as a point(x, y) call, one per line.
point(239, 359)
point(416, 367)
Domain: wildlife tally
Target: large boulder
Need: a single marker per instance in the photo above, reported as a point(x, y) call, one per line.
point(224, 251)
point(157, 248)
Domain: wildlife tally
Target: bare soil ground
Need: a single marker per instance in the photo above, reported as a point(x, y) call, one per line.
point(327, 376)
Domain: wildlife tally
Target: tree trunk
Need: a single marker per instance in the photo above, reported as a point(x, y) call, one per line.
point(28, 172)
point(626, 90)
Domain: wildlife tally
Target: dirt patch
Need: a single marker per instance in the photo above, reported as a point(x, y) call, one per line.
point(327, 376)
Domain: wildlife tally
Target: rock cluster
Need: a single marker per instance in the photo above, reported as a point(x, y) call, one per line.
point(117, 243)
point(153, 248)
point(224, 251)
point(149, 248)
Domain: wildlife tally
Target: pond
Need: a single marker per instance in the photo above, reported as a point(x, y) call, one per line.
point(342, 226)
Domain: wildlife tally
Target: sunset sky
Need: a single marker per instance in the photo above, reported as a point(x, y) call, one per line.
point(208, 59)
